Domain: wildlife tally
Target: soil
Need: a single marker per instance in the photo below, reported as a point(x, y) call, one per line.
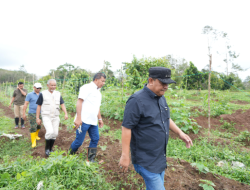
point(180, 175)
point(240, 118)
point(241, 102)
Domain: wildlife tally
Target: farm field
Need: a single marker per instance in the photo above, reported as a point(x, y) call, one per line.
point(226, 142)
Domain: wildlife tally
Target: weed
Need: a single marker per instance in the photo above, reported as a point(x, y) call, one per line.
point(57, 171)
point(243, 136)
point(206, 184)
point(200, 167)
point(6, 125)
point(208, 154)
point(228, 126)
point(14, 148)
point(104, 129)
point(103, 147)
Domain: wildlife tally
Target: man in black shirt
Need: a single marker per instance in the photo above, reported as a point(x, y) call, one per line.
point(146, 125)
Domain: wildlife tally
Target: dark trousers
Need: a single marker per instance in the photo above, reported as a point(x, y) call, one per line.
point(80, 136)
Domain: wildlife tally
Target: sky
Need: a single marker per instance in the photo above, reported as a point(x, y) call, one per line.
point(41, 35)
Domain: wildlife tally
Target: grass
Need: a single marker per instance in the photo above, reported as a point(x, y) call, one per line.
point(11, 148)
point(6, 124)
point(14, 148)
point(55, 172)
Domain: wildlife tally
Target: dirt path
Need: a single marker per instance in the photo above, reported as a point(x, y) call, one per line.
point(180, 175)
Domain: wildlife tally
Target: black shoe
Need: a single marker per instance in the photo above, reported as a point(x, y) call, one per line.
point(16, 121)
point(51, 144)
point(47, 147)
point(91, 154)
point(71, 152)
point(22, 121)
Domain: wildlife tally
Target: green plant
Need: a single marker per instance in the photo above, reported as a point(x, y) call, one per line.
point(104, 129)
point(103, 147)
point(207, 153)
point(206, 184)
point(243, 136)
point(200, 167)
point(6, 125)
point(56, 172)
point(180, 114)
point(14, 148)
point(228, 126)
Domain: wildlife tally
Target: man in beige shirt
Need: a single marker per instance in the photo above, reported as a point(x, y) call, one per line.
point(19, 99)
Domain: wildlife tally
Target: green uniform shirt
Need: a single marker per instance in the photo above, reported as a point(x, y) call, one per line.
point(19, 97)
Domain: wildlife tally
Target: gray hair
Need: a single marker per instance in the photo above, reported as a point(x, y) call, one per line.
point(99, 75)
point(50, 80)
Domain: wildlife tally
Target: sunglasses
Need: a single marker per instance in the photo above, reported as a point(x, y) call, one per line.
point(38, 88)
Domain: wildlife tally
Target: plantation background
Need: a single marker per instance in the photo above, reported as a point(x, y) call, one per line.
point(227, 140)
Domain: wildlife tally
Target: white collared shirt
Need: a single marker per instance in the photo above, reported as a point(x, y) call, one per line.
point(92, 97)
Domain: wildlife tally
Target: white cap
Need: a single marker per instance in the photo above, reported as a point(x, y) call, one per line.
point(38, 85)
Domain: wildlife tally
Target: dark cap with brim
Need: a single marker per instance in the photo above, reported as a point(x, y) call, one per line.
point(163, 74)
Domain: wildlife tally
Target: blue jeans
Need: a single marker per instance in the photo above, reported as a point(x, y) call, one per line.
point(153, 181)
point(80, 135)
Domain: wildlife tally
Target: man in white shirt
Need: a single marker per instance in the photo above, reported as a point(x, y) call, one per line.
point(87, 115)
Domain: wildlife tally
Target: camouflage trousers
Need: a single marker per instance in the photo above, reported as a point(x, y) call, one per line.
point(33, 125)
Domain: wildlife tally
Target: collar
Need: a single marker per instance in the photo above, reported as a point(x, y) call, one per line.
point(35, 92)
point(150, 92)
point(96, 87)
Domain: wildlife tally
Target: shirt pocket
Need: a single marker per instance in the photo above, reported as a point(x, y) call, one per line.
point(46, 105)
point(57, 113)
point(165, 112)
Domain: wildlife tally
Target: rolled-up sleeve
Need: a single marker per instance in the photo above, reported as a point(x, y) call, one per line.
point(132, 113)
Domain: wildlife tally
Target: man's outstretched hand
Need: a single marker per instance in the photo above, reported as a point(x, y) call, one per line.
point(186, 139)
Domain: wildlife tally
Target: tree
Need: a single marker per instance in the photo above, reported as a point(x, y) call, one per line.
point(63, 71)
point(137, 70)
point(106, 70)
point(192, 78)
point(13, 76)
point(247, 83)
point(179, 65)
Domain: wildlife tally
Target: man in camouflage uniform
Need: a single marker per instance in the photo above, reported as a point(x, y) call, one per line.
point(31, 99)
point(18, 100)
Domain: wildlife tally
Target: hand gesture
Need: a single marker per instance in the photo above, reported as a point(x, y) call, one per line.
point(77, 122)
point(100, 123)
point(186, 139)
point(124, 163)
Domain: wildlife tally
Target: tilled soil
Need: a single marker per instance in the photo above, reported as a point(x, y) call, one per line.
point(240, 118)
point(240, 102)
point(180, 175)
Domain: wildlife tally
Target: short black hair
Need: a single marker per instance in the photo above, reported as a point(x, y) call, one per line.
point(99, 75)
point(152, 78)
point(20, 83)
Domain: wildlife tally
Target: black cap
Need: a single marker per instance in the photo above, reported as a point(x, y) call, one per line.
point(163, 74)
